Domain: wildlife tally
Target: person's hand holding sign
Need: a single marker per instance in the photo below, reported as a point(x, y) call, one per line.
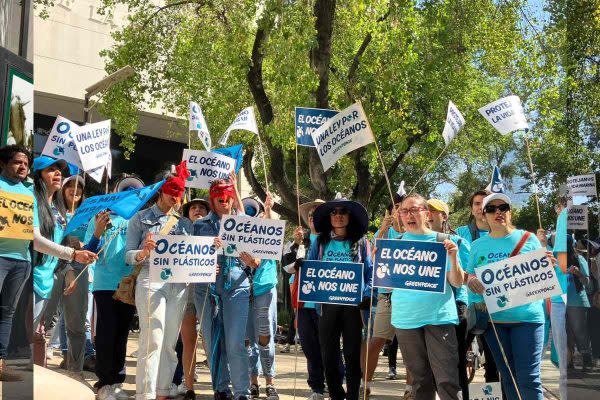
point(218, 243)
point(475, 285)
point(268, 206)
point(551, 258)
point(299, 235)
point(148, 245)
point(249, 260)
point(101, 222)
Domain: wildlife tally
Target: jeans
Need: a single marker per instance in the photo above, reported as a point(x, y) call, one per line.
point(344, 321)
point(112, 329)
point(393, 353)
point(308, 330)
point(234, 307)
point(262, 321)
point(89, 322)
point(578, 332)
point(461, 336)
point(431, 355)
point(523, 344)
point(558, 322)
point(13, 276)
point(160, 309)
point(205, 304)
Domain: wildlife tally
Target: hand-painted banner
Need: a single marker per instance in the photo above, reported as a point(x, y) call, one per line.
point(16, 216)
point(61, 142)
point(198, 123)
point(125, 204)
point(347, 131)
point(245, 120)
point(454, 122)
point(582, 185)
point(485, 391)
point(410, 265)
point(496, 184)
point(205, 167)
point(518, 280)
point(307, 121)
point(328, 282)
point(577, 218)
point(506, 115)
point(183, 259)
point(261, 238)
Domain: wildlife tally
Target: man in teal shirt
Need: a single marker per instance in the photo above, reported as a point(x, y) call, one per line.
point(15, 258)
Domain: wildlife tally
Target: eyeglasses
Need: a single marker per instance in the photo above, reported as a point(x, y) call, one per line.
point(339, 211)
point(491, 209)
point(412, 210)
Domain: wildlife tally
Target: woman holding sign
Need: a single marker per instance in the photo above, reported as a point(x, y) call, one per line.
point(520, 329)
point(425, 321)
point(160, 305)
point(342, 225)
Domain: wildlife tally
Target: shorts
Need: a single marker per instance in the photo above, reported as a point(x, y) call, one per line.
point(382, 328)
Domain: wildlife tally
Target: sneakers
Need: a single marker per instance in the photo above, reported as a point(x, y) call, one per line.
point(407, 395)
point(118, 391)
point(316, 396)
point(254, 391)
point(8, 375)
point(272, 393)
point(189, 395)
point(182, 389)
point(173, 392)
point(392, 374)
point(223, 396)
point(106, 393)
point(286, 348)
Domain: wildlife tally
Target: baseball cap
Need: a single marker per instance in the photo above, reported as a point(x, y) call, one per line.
point(439, 205)
point(495, 196)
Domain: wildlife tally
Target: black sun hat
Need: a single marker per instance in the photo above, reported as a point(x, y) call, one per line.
point(186, 207)
point(357, 212)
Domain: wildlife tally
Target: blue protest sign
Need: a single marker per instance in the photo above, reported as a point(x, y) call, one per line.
point(235, 152)
point(410, 265)
point(329, 282)
point(125, 204)
point(308, 120)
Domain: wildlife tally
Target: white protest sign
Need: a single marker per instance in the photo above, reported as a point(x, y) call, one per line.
point(506, 115)
point(198, 123)
point(205, 167)
point(93, 142)
point(347, 131)
point(183, 259)
point(485, 391)
point(454, 122)
point(582, 185)
point(577, 218)
point(518, 280)
point(245, 120)
point(61, 142)
point(261, 238)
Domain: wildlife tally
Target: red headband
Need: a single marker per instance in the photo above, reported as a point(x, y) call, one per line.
point(175, 186)
point(222, 190)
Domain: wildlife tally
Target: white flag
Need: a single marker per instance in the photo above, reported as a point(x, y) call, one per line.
point(454, 122)
point(198, 123)
point(245, 120)
point(62, 143)
point(506, 114)
point(401, 191)
point(347, 131)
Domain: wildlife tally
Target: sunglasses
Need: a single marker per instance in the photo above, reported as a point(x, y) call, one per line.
point(339, 211)
point(491, 209)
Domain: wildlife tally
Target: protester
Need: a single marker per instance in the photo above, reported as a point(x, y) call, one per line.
point(424, 321)
point(113, 317)
point(342, 225)
point(157, 302)
point(262, 320)
point(15, 258)
point(47, 180)
point(186, 358)
point(228, 300)
point(520, 329)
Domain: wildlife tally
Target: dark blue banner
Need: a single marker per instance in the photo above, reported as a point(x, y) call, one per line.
point(307, 121)
point(410, 265)
point(331, 282)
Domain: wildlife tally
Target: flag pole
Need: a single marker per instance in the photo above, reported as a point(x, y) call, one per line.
point(535, 188)
point(72, 210)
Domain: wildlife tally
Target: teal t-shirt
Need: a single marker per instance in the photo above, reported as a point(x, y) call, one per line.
point(313, 237)
point(464, 250)
point(391, 234)
point(465, 233)
point(110, 267)
point(413, 309)
point(487, 250)
point(265, 277)
point(560, 246)
point(43, 275)
point(575, 298)
point(17, 249)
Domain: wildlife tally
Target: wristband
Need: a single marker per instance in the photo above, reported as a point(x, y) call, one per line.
point(73, 255)
point(470, 279)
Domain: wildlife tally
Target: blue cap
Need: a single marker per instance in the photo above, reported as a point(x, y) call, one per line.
point(43, 162)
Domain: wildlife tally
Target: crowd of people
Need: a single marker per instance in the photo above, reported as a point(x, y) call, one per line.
point(104, 266)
